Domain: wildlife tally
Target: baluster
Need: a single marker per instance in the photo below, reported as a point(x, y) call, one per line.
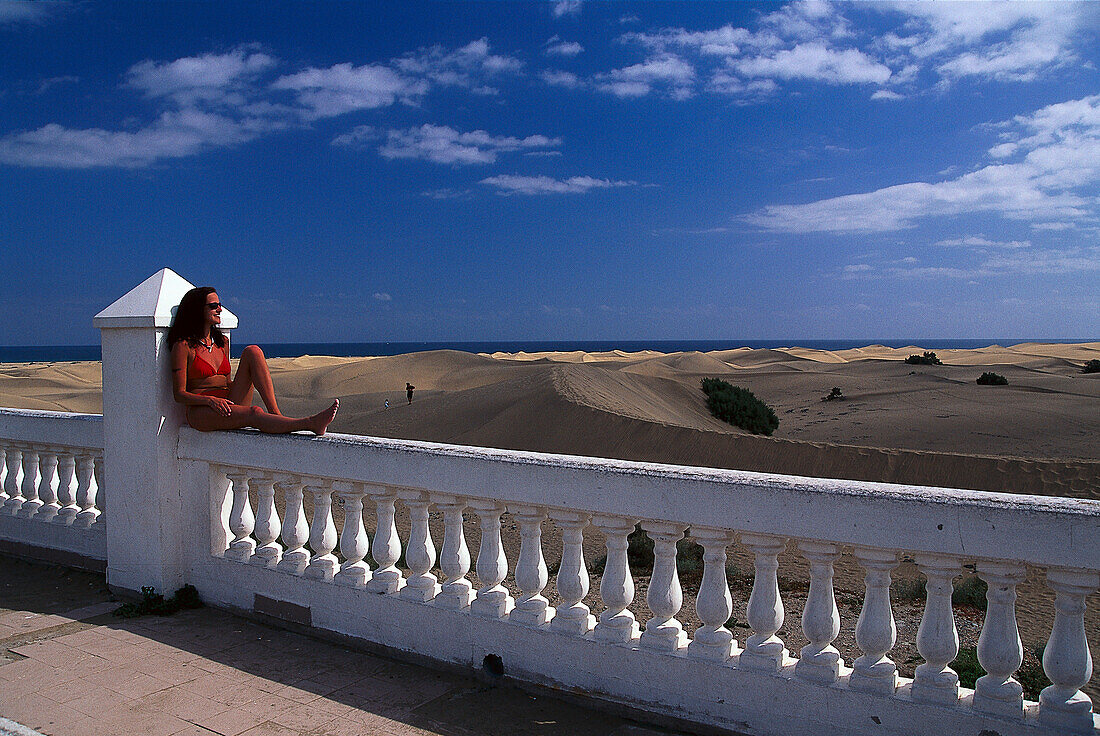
point(532, 607)
point(3, 475)
point(268, 550)
point(616, 623)
point(1067, 660)
point(66, 495)
point(241, 519)
point(454, 559)
point(819, 660)
point(665, 596)
point(421, 585)
point(492, 599)
point(876, 632)
point(47, 494)
point(572, 616)
point(29, 489)
point(322, 532)
point(714, 605)
point(937, 637)
point(296, 529)
point(999, 649)
point(85, 491)
point(387, 544)
point(100, 494)
point(354, 542)
point(763, 649)
point(13, 461)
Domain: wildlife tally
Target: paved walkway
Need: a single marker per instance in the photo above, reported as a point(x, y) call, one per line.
point(70, 668)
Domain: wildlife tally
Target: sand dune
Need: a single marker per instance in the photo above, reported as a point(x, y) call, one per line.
point(927, 425)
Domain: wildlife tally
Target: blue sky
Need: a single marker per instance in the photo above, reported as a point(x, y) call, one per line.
point(556, 170)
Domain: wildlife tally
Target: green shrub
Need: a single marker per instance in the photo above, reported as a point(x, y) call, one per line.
point(1093, 366)
point(153, 603)
point(1031, 674)
point(968, 667)
point(739, 407)
point(908, 590)
point(992, 379)
point(929, 358)
point(834, 395)
point(970, 592)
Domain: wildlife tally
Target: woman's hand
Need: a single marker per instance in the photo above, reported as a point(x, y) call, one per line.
point(220, 405)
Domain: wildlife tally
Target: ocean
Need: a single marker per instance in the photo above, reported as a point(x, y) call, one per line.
point(53, 353)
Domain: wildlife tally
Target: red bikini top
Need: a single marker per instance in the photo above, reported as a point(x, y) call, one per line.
point(199, 368)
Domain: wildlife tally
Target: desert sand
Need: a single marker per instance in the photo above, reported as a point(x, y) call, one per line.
point(926, 425)
point(929, 425)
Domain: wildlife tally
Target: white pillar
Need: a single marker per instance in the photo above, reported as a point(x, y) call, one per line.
point(140, 435)
point(1067, 660)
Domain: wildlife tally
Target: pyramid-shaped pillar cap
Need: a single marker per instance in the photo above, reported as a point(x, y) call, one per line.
point(152, 303)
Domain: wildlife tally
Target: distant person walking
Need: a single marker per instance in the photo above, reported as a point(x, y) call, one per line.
point(409, 391)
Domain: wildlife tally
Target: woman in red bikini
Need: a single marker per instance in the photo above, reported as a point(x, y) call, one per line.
point(200, 375)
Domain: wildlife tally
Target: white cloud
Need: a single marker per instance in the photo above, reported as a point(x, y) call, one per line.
point(342, 88)
point(562, 8)
point(382, 296)
point(558, 47)
point(209, 77)
point(978, 241)
point(558, 78)
point(815, 61)
point(885, 94)
point(1058, 150)
point(667, 72)
point(28, 11)
point(444, 145)
point(174, 134)
point(469, 66)
point(513, 184)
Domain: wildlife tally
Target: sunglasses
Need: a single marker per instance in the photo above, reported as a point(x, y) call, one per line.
point(214, 305)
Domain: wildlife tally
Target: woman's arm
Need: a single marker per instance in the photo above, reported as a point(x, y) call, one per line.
point(179, 384)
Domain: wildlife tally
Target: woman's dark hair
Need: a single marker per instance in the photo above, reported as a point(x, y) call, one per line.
point(191, 318)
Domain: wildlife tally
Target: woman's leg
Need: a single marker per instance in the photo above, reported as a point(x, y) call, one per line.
point(206, 419)
point(252, 371)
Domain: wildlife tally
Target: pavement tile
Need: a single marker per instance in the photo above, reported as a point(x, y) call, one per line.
point(24, 668)
point(52, 652)
point(195, 730)
point(6, 631)
point(173, 673)
point(135, 721)
point(51, 717)
point(180, 703)
point(233, 721)
point(222, 689)
point(132, 684)
point(271, 729)
point(297, 692)
point(307, 717)
point(82, 637)
point(98, 699)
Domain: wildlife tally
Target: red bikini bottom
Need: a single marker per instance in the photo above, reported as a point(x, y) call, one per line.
point(221, 393)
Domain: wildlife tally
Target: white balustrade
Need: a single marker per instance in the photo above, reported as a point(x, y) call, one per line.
point(268, 551)
point(47, 491)
point(1000, 651)
point(3, 474)
point(876, 632)
point(1067, 660)
point(819, 660)
point(86, 491)
point(713, 605)
point(421, 585)
point(241, 518)
point(617, 624)
point(97, 474)
point(354, 543)
point(937, 637)
point(322, 532)
point(532, 607)
point(572, 616)
point(29, 488)
point(492, 600)
point(387, 579)
point(66, 490)
point(663, 631)
point(13, 498)
point(763, 649)
point(454, 558)
point(295, 529)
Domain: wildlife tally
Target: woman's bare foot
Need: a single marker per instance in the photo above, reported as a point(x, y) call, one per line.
point(318, 423)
